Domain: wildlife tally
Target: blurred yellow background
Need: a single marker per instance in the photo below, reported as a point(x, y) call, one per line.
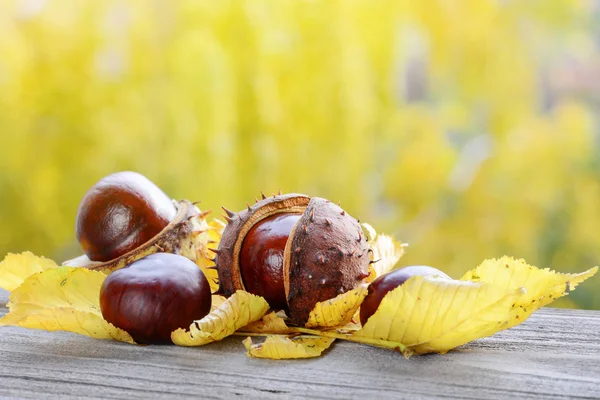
point(466, 128)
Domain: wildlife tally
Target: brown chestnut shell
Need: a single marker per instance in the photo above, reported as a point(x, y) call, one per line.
point(183, 235)
point(325, 255)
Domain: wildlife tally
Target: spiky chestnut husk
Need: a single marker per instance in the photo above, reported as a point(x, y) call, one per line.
point(184, 235)
point(325, 255)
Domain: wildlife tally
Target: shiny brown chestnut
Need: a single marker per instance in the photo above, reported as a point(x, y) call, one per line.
point(390, 281)
point(155, 295)
point(261, 257)
point(119, 213)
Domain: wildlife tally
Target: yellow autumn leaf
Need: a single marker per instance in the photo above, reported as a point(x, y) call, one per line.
point(204, 256)
point(349, 328)
point(236, 312)
point(337, 311)
point(217, 301)
point(485, 322)
point(15, 268)
point(386, 251)
point(65, 299)
point(270, 323)
point(430, 314)
point(369, 231)
point(282, 347)
point(543, 285)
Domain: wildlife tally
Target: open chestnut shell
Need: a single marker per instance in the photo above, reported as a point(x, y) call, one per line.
point(326, 253)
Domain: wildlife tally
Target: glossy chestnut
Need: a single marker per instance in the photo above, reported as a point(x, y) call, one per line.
point(119, 213)
point(261, 257)
point(154, 296)
point(390, 281)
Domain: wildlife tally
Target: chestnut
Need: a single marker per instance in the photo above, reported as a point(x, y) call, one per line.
point(120, 213)
point(125, 217)
point(155, 295)
point(324, 252)
point(390, 281)
point(261, 257)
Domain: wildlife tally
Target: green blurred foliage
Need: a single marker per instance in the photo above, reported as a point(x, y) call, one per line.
point(465, 128)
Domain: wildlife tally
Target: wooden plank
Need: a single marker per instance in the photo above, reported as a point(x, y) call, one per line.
point(555, 354)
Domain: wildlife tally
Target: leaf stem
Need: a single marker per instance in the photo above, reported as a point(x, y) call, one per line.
point(242, 333)
point(386, 344)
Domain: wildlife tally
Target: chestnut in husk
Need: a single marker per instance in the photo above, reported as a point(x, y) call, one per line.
point(390, 281)
point(324, 254)
point(120, 213)
point(155, 295)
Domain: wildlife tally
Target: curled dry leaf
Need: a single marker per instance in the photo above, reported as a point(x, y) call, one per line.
point(350, 328)
point(369, 231)
point(337, 311)
point(282, 347)
point(543, 286)
point(217, 301)
point(386, 251)
point(204, 256)
point(270, 323)
point(15, 268)
point(273, 324)
point(65, 299)
point(236, 312)
point(429, 314)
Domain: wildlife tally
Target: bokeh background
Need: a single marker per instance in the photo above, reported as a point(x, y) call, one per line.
point(468, 129)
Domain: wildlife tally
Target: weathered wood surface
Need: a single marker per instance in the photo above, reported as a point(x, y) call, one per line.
point(555, 354)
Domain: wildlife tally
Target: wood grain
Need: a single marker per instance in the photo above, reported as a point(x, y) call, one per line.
point(555, 354)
